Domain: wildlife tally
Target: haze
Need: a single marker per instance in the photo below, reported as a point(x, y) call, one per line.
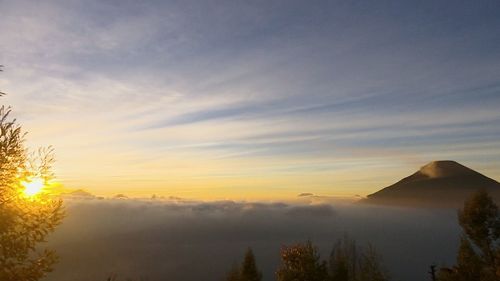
point(190, 241)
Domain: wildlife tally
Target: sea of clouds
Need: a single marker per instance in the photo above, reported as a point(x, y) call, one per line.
point(183, 240)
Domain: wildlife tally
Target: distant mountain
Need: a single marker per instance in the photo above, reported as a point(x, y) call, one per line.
point(78, 194)
point(438, 184)
point(120, 196)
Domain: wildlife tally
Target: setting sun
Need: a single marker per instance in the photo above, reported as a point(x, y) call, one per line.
point(33, 187)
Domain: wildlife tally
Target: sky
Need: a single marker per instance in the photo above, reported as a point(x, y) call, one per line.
point(253, 99)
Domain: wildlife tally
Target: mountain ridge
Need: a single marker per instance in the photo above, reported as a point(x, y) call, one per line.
point(443, 183)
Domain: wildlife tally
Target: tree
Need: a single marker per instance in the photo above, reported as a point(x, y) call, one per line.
point(343, 260)
point(233, 274)
point(370, 266)
point(478, 257)
point(480, 222)
point(468, 262)
point(301, 262)
point(25, 221)
point(249, 271)
point(348, 262)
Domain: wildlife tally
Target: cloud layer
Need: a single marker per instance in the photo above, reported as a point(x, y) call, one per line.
point(188, 241)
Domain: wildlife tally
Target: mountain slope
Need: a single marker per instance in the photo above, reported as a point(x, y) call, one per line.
point(439, 183)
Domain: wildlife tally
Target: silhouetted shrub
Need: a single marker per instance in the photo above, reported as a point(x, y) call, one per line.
point(478, 257)
point(25, 221)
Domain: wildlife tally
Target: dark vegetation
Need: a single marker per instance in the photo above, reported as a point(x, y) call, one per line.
point(347, 262)
point(247, 271)
point(478, 257)
point(24, 222)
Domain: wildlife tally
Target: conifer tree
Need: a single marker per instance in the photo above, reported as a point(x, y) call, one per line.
point(249, 271)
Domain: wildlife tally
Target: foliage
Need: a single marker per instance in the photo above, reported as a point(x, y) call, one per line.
point(370, 267)
point(480, 222)
point(233, 274)
point(343, 260)
point(349, 262)
point(478, 257)
point(301, 262)
point(25, 221)
point(248, 270)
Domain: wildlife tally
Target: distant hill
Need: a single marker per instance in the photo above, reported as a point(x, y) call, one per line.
point(437, 184)
point(78, 194)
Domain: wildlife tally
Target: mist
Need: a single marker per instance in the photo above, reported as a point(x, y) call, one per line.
point(188, 241)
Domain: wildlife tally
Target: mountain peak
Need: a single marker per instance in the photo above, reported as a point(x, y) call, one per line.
point(445, 168)
point(439, 183)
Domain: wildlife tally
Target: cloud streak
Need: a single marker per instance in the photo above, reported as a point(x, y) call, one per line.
point(252, 88)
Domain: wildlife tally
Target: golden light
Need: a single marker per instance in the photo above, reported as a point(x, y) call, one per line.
point(33, 187)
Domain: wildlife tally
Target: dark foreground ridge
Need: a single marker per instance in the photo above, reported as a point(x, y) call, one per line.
point(437, 184)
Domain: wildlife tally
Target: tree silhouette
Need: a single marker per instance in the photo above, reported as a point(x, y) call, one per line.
point(370, 266)
point(478, 256)
point(349, 262)
point(249, 271)
point(343, 260)
point(25, 221)
point(301, 262)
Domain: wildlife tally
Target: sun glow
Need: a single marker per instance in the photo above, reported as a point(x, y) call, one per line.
point(33, 187)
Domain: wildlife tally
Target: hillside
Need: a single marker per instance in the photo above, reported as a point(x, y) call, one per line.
point(439, 184)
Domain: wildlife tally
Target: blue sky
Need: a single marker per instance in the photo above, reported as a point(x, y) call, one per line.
point(239, 99)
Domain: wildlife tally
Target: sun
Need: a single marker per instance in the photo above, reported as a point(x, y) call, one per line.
point(33, 187)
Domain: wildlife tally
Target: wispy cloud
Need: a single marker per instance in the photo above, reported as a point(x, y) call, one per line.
point(173, 93)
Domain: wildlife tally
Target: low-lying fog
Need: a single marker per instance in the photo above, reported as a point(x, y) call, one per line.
point(186, 241)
